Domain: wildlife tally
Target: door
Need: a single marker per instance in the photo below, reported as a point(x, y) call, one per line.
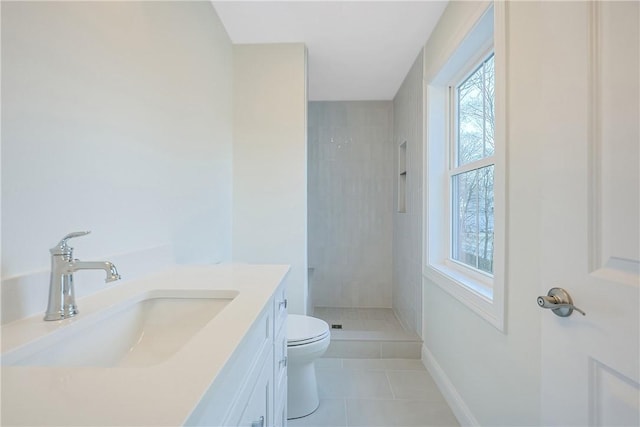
point(590, 215)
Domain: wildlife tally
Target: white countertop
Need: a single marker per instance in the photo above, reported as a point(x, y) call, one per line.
point(163, 394)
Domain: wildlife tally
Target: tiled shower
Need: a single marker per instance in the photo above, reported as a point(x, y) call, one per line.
point(350, 192)
point(352, 201)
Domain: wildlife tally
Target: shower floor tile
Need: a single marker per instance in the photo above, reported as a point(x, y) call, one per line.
point(360, 319)
point(365, 324)
point(368, 333)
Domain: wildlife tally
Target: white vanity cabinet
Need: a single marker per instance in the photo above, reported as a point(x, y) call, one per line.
point(227, 370)
point(251, 391)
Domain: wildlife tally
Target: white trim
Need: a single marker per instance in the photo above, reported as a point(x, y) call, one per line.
point(500, 169)
point(594, 138)
point(479, 278)
point(473, 64)
point(454, 399)
point(458, 38)
point(484, 297)
point(471, 166)
point(470, 293)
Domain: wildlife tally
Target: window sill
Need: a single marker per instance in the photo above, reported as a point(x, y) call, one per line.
point(477, 295)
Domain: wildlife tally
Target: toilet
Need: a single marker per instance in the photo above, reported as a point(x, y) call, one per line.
point(307, 339)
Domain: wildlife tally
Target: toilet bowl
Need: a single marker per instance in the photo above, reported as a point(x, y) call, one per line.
point(307, 339)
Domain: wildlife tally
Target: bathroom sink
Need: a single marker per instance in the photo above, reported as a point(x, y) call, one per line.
point(142, 331)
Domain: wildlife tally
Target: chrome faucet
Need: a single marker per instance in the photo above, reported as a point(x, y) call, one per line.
point(62, 300)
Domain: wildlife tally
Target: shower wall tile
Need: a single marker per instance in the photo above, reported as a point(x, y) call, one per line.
point(350, 191)
point(407, 226)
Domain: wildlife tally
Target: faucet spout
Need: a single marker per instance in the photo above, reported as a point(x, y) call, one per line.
point(108, 267)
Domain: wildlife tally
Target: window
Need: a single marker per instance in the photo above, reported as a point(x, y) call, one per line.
point(464, 168)
point(472, 168)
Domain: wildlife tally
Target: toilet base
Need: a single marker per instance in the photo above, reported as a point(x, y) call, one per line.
point(302, 393)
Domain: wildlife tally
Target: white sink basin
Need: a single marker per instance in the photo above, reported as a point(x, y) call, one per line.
point(142, 331)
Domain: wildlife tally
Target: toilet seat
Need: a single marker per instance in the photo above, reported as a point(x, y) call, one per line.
point(302, 330)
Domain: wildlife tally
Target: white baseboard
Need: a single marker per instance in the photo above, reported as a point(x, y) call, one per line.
point(456, 402)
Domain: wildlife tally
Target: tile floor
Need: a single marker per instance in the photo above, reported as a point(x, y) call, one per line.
point(376, 392)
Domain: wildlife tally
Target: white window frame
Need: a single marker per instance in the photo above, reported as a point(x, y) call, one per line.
point(453, 169)
point(481, 292)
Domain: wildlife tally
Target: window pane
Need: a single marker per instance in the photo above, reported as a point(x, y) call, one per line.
point(475, 106)
point(472, 218)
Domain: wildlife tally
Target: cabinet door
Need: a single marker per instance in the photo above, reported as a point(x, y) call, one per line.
point(257, 413)
point(280, 375)
point(280, 360)
point(280, 417)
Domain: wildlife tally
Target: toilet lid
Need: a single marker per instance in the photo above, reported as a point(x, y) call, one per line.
point(305, 329)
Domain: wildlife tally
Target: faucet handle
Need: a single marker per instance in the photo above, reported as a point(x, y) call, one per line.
point(62, 248)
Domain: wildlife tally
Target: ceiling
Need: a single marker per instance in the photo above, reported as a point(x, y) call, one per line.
point(358, 50)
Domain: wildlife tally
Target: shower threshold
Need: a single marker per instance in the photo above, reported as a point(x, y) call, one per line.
point(368, 333)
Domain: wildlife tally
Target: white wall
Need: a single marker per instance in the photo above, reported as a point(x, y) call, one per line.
point(270, 161)
point(408, 121)
point(350, 202)
point(116, 118)
point(495, 375)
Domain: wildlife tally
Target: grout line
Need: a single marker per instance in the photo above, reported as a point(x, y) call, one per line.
point(346, 417)
point(390, 386)
point(388, 399)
